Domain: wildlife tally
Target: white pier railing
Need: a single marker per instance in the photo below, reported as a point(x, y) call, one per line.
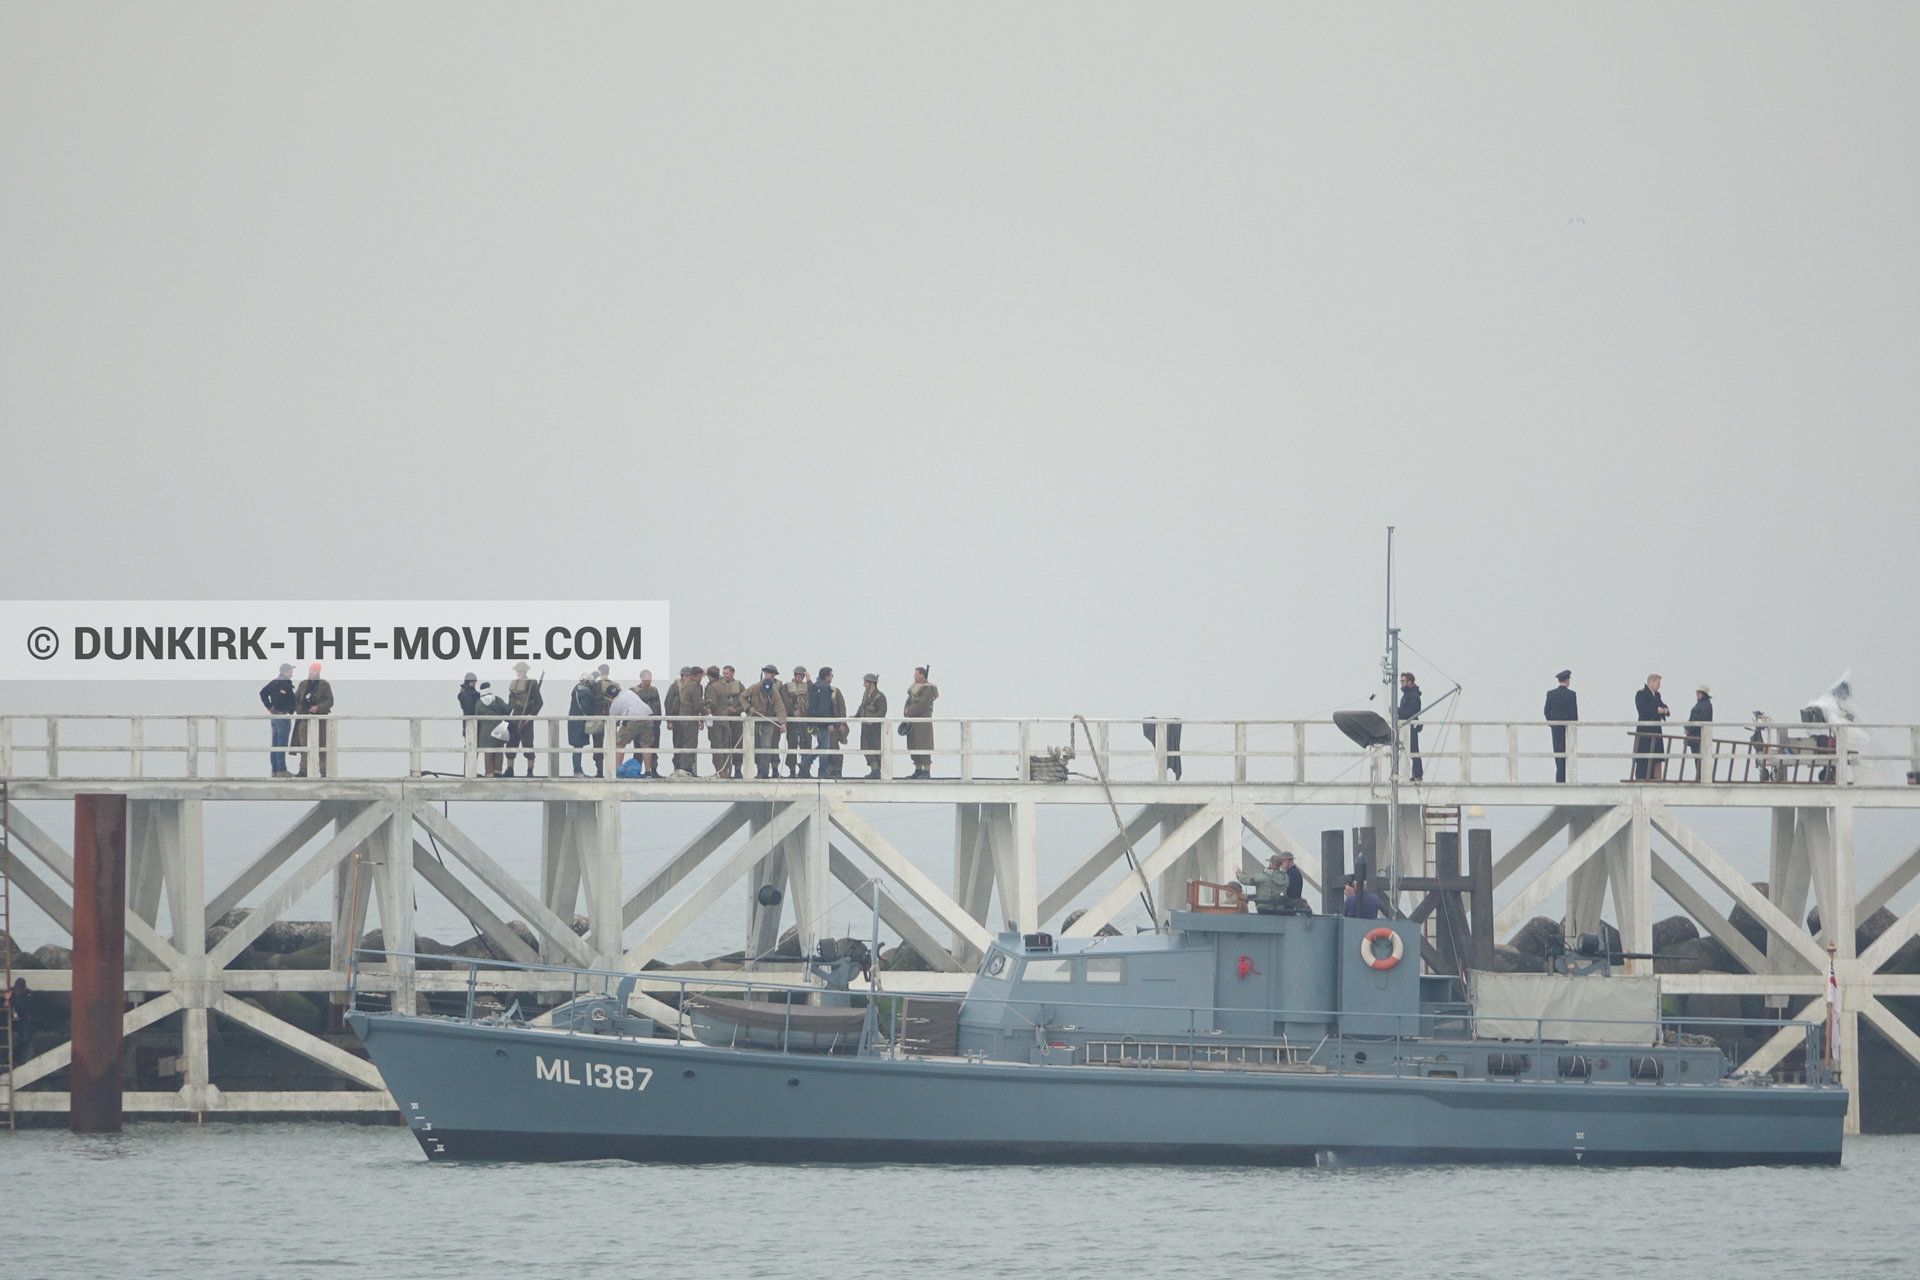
point(1296, 752)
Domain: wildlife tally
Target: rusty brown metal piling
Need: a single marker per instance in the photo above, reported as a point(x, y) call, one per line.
point(99, 961)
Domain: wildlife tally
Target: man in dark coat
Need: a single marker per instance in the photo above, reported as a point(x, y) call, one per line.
point(314, 702)
point(279, 700)
point(579, 709)
point(469, 696)
point(1410, 712)
point(1702, 713)
point(1563, 707)
point(1650, 709)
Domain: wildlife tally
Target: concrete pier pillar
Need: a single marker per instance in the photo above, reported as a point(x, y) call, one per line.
point(1333, 871)
point(99, 961)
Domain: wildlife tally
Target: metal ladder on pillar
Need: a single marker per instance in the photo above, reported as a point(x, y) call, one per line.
point(1434, 820)
point(6, 931)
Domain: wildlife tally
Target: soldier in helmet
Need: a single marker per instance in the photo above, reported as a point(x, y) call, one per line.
point(799, 734)
point(689, 702)
point(873, 706)
point(768, 711)
point(726, 702)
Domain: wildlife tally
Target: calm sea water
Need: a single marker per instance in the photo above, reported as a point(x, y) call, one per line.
point(301, 1199)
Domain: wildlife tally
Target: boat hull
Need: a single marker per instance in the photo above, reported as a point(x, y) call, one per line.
point(498, 1093)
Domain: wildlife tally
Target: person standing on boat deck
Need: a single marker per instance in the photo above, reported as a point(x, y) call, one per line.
point(1410, 715)
point(1358, 905)
point(1277, 890)
point(579, 708)
point(1651, 709)
point(873, 706)
point(524, 701)
point(278, 698)
point(314, 702)
point(921, 696)
point(1563, 707)
point(650, 727)
point(799, 736)
point(767, 707)
point(691, 706)
point(1702, 713)
point(726, 698)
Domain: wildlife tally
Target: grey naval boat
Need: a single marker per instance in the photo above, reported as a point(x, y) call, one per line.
point(1220, 1039)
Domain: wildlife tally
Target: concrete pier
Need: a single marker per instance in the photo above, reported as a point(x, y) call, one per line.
point(366, 834)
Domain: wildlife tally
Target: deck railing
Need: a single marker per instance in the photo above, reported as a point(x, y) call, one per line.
point(1037, 749)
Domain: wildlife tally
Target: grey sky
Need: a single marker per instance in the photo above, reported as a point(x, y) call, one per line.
point(1081, 350)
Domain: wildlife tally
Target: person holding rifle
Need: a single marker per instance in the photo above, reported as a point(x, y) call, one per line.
point(524, 701)
point(921, 696)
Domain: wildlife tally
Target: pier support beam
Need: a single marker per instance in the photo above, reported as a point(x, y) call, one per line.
point(99, 961)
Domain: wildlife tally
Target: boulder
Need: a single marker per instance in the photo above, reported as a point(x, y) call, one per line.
point(1868, 931)
point(1671, 932)
point(20, 959)
point(904, 959)
point(1750, 929)
point(1534, 938)
point(1697, 955)
point(52, 957)
point(283, 936)
point(1513, 960)
point(1705, 1006)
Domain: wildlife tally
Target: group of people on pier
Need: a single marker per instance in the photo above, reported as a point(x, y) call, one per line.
point(808, 712)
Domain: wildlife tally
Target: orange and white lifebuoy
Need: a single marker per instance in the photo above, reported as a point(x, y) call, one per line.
point(1381, 935)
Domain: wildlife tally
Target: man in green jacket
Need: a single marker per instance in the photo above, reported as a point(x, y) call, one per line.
point(920, 699)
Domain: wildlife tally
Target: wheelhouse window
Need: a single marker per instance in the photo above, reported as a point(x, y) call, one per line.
point(1048, 971)
point(1106, 969)
point(995, 966)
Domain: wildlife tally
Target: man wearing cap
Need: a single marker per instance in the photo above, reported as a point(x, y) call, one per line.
point(523, 700)
point(921, 696)
point(1279, 890)
point(278, 698)
point(469, 698)
point(726, 700)
point(313, 700)
point(873, 707)
point(1702, 713)
point(649, 735)
point(1563, 708)
point(799, 736)
point(767, 707)
point(689, 703)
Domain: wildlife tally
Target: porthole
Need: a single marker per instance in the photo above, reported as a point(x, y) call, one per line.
point(686, 1075)
point(1361, 1056)
point(793, 1082)
point(997, 965)
point(499, 1053)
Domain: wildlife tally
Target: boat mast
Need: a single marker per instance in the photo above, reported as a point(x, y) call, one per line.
point(1392, 664)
